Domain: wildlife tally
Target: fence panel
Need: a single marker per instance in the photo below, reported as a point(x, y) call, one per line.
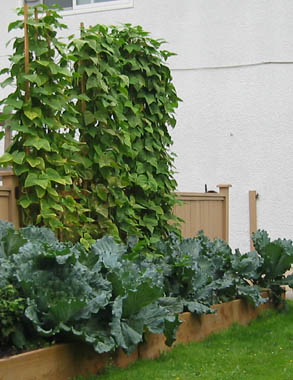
point(205, 211)
point(200, 211)
point(8, 206)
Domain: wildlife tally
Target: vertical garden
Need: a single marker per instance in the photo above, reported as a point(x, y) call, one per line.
point(90, 119)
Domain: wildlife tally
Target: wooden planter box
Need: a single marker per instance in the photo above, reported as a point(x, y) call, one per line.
point(63, 361)
point(195, 328)
point(60, 362)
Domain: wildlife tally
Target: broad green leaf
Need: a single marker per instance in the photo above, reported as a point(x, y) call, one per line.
point(54, 176)
point(33, 78)
point(64, 310)
point(53, 103)
point(100, 209)
point(40, 50)
point(92, 43)
point(199, 308)
point(68, 180)
point(52, 173)
point(57, 207)
point(89, 117)
point(52, 192)
point(107, 160)
point(124, 79)
point(91, 70)
point(40, 192)
point(143, 181)
point(38, 143)
point(18, 170)
point(69, 203)
point(16, 103)
point(43, 63)
point(42, 182)
point(54, 68)
point(36, 180)
point(60, 180)
point(54, 222)
point(36, 162)
point(25, 202)
point(142, 296)
point(42, 79)
point(102, 192)
point(92, 82)
point(33, 113)
point(72, 148)
point(4, 117)
point(79, 43)
point(7, 82)
point(127, 139)
point(15, 25)
point(18, 157)
point(5, 158)
point(47, 214)
point(64, 71)
point(86, 162)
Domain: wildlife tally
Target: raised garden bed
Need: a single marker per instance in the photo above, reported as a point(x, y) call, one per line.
point(63, 361)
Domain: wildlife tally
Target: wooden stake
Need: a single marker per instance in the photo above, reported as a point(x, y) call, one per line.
point(252, 215)
point(26, 52)
point(48, 39)
point(8, 139)
point(36, 20)
point(81, 28)
point(82, 81)
point(26, 60)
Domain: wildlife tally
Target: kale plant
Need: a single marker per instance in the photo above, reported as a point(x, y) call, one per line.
point(99, 297)
point(276, 259)
point(203, 273)
point(109, 296)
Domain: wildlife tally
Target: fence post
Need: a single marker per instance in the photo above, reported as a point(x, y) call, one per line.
point(224, 190)
point(252, 215)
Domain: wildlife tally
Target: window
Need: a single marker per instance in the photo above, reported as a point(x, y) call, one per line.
point(85, 6)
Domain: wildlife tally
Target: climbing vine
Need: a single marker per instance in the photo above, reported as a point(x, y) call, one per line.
point(44, 119)
point(129, 104)
point(92, 143)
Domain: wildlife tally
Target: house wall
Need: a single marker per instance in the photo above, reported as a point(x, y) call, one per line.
point(234, 74)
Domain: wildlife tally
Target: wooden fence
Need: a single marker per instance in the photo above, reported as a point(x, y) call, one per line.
point(200, 211)
point(205, 211)
point(8, 189)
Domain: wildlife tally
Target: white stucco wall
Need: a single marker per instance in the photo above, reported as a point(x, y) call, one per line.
point(234, 73)
point(235, 127)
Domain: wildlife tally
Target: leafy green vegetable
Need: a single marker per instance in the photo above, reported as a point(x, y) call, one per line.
point(277, 258)
point(109, 297)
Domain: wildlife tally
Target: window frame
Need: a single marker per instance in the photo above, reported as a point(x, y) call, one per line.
point(95, 7)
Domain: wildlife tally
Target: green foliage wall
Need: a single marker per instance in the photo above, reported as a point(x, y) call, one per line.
point(112, 89)
point(44, 119)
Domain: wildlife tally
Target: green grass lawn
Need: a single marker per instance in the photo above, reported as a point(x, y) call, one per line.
point(262, 350)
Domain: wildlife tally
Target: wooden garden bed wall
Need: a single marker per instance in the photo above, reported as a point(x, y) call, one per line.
point(200, 211)
point(60, 362)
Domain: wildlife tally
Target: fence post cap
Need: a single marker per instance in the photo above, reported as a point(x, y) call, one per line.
point(225, 185)
point(6, 172)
